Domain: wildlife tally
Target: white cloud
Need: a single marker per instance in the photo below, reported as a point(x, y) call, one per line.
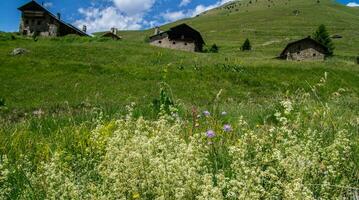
point(133, 7)
point(103, 19)
point(129, 15)
point(122, 14)
point(201, 8)
point(173, 16)
point(184, 2)
point(353, 4)
point(176, 15)
point(48, 4)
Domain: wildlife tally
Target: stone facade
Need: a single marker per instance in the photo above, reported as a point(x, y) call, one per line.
point(299, 53)
point(174, 44)
point(38, 22)
point(181, 37)
point(305, 49)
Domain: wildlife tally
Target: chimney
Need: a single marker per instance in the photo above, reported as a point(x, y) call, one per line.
point(84, 28)
point(157, 30)
point(114, 30)
point(58, 16)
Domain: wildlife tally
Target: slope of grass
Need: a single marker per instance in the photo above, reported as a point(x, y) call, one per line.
point(57, 97)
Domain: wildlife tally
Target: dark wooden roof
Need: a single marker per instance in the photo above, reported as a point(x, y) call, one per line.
point(34, 6)
point(307, 39)
point(177, 32)
point(112, 35)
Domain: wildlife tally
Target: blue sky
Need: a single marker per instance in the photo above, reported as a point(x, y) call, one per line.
point(100, 15)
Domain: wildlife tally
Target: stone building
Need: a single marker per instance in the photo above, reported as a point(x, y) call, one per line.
point(37, 20)
point(181, 37)
point(304, 49)
point(112, 34)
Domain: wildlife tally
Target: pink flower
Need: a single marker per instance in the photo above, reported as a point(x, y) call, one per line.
point(211, 134)
point(227, 128)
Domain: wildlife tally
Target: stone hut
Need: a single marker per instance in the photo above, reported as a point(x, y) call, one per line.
point(37, 20)
point(112, 34)
point(304, 49)
point(181, 37)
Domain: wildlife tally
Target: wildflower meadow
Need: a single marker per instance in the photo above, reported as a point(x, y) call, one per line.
point(304, 149)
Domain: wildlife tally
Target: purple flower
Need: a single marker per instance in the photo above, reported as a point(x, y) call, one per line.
point(227, 128)
point(206, 113)
point(224, 113)
point(211, 134)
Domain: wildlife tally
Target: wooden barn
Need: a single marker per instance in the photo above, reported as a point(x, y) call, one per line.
point(181, 37)
point(304, 49)
point(112, 34)
point(37, 20)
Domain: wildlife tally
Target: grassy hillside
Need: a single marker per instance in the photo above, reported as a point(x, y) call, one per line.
point(66, 131)
point(270, 28)
point(71, 72)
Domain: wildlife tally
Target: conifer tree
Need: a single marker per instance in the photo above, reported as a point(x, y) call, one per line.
point(214, 49)
point(246, 45)
point(321, 35)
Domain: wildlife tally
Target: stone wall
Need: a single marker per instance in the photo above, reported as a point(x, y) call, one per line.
point(174, 44)
point(304, 51)
point(43, 26)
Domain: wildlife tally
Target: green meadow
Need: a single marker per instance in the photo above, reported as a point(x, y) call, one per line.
point(66, 118)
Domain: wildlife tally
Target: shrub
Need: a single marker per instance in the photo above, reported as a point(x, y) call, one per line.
point(2, 102)
point(214, 49)
point(7, 36)
point(246, 45)
point(146, 39)
point(164, 103)
point(321, 35)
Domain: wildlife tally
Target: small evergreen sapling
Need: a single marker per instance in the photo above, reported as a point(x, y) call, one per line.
point(321, 35)
point(2, 104)
point(214, 49)
point(164, 102)
point(246, 45)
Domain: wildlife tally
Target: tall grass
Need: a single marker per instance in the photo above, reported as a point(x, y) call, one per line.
point(304, 147)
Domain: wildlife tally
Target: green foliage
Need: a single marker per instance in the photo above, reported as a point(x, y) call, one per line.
point(164, 103)
point(146, 39)
point(35, 36)
point(246, 45)
point(213, 49)
point(65, 135)
point(322, 36)
point(7, 36)
point(2, 102)
point(298, 156)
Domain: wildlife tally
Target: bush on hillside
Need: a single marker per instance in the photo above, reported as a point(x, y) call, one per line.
point(2, 102)
point(214, 49)
point(322, 36)
point(246, 45)
point(72, 38)
point(6, 36)
point(146, 39)
point(164, 103)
